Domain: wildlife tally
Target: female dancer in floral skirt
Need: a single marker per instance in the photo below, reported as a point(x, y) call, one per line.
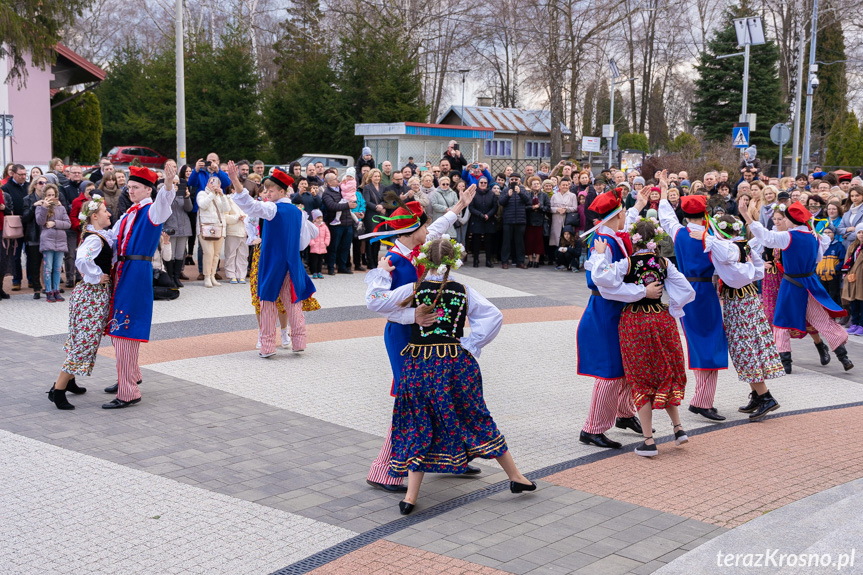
point(649, 340)
point(440, 420)
point(90, 304)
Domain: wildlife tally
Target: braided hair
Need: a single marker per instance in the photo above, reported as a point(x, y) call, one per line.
point(439, 250)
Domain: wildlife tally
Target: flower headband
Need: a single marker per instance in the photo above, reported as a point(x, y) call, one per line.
point(453, 262)
point(90, 208)
point(659, 234)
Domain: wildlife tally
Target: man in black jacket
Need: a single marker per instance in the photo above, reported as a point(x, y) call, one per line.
point(342, 232)
point(457, 162)
point(398, 186)
point(514, 200)
point(308, 197)
point(16, 187)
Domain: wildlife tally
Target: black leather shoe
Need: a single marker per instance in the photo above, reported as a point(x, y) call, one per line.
point(823, 352)
point(58, 398)
point(785, 356)
point(476, 263)
point(471, 470)
point(842, 356)
point(765, 406)
point(754, 400)
point(521, 487)
point(405, 508)
point(708, 413)
point(113, 388)
point(346, 272)
point(628, 423)
point(73, 387)
point(119, 403)
point(599, 440)
point(390, 488)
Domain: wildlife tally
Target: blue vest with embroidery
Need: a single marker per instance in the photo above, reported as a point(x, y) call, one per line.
point(598, 340)
point(132, 304)
point(396, 335)
point(799, 259)
point(280, 256)
point(706, 344)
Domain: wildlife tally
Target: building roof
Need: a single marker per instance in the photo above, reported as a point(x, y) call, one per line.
point(503, 120)
point(70, 69)
point(418, 129)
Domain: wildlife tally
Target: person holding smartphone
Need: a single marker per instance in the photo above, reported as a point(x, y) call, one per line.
point(453, 154)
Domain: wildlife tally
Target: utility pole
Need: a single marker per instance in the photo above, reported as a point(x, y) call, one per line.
point(181, 84)
point(464, 74)
point(811, 82)
point(798, 97)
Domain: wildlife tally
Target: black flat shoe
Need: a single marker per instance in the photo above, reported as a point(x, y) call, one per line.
point(113, 388)
point(521, 487)
point(599, 440)
point(628, 423)
point(710, 413)
point(58, 398)
point(471, 470)
point(390, 488)
point(119, 403)
point(405, 508)
point(754, 401)
point(73, 387)
point(823, 353)
point(645, 450)
point(766, 404)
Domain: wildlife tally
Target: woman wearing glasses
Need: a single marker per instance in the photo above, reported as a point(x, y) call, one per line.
point(442, 200)
point(32, 232)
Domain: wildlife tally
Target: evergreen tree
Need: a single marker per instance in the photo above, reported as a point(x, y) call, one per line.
point(656, 124)
point(719, 87)
point(833, 142)
point(634, 141)
point(299, 42)
point(830, 99)
point(589, 101)
point(686, 145)
point(850, 154)
point(603, 109)
point(76, 127)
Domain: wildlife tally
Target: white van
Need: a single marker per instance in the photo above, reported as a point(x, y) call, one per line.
point(341, 163)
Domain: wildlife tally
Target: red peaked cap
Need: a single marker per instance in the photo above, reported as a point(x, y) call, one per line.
point(396, 223)
point(281, 179)
point(693, 206)
point(798, 213)
point(607, 202)
point(144, 176)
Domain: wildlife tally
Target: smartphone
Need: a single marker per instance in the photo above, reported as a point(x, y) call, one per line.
point(455, 146)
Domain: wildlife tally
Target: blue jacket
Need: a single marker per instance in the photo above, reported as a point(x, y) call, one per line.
point(198, 181)
point(469, 179)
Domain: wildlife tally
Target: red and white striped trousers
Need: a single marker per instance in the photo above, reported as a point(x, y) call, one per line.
point(380, 467)
point(705, 387)
point(818, 318)
point(270, 317)
point(611, 398)
point(128, 371)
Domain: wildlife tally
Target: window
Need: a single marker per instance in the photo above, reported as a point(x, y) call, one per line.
point(537, 149)
point(337, 162)
point(498, 148)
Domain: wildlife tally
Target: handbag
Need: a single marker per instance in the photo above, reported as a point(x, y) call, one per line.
point(572, 219)
point(13, 229)
point(212, 232)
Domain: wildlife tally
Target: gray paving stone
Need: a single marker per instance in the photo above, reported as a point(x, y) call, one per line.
point(636, 533)
point(649, 549)
point(518, 566)
point(604, 547)
point(611, 565)
point(513, 548)
point(647, 568)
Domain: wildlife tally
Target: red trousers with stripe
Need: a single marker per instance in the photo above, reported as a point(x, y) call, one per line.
point(817, 317)
point(705, 387)
point(611, 398)
point(128, 371)
point(379, 471)
point(270, 318)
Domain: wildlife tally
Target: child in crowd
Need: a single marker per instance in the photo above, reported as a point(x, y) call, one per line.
point(349, 194)
point(852, 291)
point(318, 245)
point(829, 269)
point(649, 340)
point(52, 241)
point(568, 250)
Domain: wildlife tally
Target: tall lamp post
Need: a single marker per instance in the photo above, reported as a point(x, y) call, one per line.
point(811, 84)
point(615, 74)
point(464, 74)
point(181, 86)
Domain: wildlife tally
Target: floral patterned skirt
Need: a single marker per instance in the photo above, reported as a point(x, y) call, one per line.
point(253, 282)
point(769, 293)
point(89, 308)
point(750, 340)
point(440, 420)
point(652, 358)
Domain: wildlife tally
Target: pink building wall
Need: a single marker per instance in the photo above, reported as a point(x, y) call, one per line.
point(31, 107)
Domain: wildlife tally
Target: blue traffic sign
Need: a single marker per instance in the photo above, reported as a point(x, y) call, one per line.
point(740, 136)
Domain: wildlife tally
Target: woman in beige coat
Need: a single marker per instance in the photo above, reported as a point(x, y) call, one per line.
point(213, 206)
point(563, 202)
point(236, 250)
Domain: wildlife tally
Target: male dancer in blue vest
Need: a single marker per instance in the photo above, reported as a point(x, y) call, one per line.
point(706, 344)
point(598, 341)
point(138, 232)
point(410, 224)
point(280, 270)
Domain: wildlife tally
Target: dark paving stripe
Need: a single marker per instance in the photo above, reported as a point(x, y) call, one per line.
point(323, 557)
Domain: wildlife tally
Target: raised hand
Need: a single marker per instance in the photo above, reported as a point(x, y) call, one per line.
point(234, 174)
point(170, 174)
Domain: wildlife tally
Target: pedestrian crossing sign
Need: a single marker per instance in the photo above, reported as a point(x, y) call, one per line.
point(740, 136)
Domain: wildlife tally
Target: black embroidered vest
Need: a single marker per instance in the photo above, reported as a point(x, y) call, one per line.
point(451, 311)
point(728, 292)
point(644, 269)
point(103, 260)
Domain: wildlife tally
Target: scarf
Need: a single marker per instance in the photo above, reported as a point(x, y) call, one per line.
point(627, 241)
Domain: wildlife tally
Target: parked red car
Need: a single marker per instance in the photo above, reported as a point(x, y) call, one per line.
point(147, 156)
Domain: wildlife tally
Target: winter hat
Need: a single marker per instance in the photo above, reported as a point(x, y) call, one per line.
point(367, 151)
point(651, 213)
point(352, 172)
point(685, 184)
point(638, 180)
point(317, 214)
point(752, 151)
point(859, 227)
